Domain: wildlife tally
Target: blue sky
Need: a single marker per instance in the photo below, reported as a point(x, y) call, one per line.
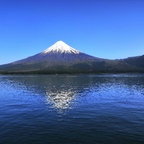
point(110, 29)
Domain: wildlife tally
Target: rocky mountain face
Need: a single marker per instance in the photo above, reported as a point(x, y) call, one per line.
point(61, 58)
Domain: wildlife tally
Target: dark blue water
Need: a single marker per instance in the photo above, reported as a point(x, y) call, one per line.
point(72, 109)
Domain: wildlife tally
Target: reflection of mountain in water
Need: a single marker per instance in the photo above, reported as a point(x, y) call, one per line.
point(60, 91)
point(60, 99)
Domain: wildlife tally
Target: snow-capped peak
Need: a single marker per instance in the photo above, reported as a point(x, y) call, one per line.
point(61, 47)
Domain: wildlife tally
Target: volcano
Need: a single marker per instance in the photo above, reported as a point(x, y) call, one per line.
point(58, 58)
point(62, 58)
point(58, 54)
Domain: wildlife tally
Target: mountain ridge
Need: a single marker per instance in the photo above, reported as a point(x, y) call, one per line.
point(62, 58)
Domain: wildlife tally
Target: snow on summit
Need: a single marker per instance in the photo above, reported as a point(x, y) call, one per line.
point(61, 47)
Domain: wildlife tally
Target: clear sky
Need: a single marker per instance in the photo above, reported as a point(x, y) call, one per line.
point(110, 29)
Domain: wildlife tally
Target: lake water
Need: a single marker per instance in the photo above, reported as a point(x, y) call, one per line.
point(72, 109)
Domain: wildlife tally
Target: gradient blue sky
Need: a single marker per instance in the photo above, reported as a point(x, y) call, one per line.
point(110, 29)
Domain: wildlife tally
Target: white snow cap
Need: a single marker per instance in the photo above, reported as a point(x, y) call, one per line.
point(61, 47)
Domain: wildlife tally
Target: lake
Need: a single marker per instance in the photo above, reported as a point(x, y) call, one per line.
point(72, 109)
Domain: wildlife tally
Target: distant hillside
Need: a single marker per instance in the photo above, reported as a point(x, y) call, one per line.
point(136, 61)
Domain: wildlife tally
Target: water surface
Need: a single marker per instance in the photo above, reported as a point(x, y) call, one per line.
point(72, 109)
